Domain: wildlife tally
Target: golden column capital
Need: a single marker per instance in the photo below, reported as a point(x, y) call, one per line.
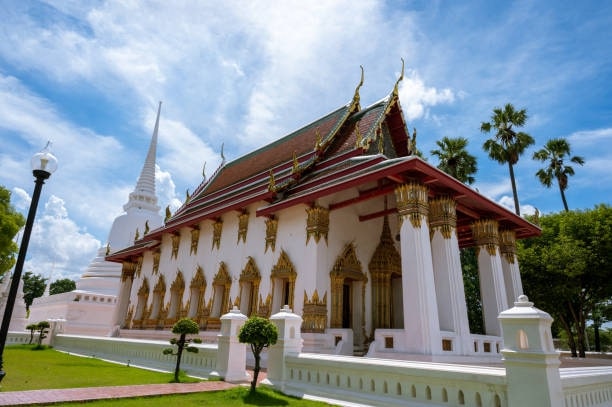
point(127, 270)
point(486, 234)
point(411, 199)
point(507, 245)
point(443, 216)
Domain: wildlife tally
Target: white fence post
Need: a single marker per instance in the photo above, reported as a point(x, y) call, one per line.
point(289, 343)
point(231, 355)
point(532, 365)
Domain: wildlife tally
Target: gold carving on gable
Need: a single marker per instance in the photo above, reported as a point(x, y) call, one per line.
point(217, 230)
point(195, 238)
point(317, 223)
point(243, 226)
point(222, 277)
point(250, 272)
point(442, 216)
point(314, 313)
point(486, 234)
point(284, 270)
point(411, 199)
point(271, 229)
point(176, 239)
point(178, 285)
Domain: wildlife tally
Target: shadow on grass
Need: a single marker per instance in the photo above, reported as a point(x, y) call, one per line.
point(263, 397)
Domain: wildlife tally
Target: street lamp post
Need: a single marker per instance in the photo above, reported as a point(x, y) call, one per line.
point(43, 165)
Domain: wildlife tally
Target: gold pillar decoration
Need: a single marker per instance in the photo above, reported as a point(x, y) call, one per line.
point(176, 239)
point(250, 274)
point(411, 201)
point(271, 228)
point(195, 238)
point(156, 256)
point(507, 245)
point(314, 313)
point(128, 269)
point(486, 234)
point(141, 313)
point(223, 278)
point(128, 318)
point(442, 216)
point(243, 226)
point(284, 270)
point(217, 229)
point(317, 223)
point(138, 269)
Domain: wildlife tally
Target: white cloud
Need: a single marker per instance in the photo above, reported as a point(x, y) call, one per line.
point(58, 246)
point(416, 98)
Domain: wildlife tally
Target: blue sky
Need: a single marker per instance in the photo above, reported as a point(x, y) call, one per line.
point(88, 75)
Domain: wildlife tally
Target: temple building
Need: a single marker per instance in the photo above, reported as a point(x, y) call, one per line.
point(340, 221)
point(90, 308)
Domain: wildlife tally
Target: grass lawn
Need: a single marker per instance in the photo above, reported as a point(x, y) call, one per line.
point(28, 369)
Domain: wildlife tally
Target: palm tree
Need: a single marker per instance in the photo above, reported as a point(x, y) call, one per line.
point(455, 160)
point(507, 145)
point(555, 151)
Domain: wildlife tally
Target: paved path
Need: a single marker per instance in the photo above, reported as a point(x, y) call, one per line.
point(47, 396)
point(32, 397)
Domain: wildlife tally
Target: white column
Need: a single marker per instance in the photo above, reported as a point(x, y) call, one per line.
point(231, 354)
point(532, 365)
point(510, 266)
point(492, 288)
point(448, 276)
point(123, 298)
point(289, 343)
point(421, 323)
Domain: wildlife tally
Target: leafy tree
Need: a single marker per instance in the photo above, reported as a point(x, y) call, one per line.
point(183, 327)
point(471, 284)
point(554, 152)
point(10, 223)
point(32, 328)
point(42, 327)
point(455, 160)
point(260, 333)
point(33, 287)
point(64, 285)
point(507, 145)
point(566, 271)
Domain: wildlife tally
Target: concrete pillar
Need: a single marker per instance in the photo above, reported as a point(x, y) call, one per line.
point(421, 322)
point(289, 343)
point(56, 326)
point(448, 276)
point(510, 266)
point(123, 298)
point(231, 354)
point(492, 287)
point(532, 365)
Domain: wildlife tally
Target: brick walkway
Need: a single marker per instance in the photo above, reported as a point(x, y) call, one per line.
point(32, 397)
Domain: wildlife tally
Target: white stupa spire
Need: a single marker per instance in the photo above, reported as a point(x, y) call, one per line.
point(144, 197)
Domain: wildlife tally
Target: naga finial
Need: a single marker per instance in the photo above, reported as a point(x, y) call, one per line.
point(204, 171)
point(222, 154)
point(137, 235)
point(146, 227)
point(318, 139)
point(168, 214)
point(395, 88)
point(356, 97)
point(358, 136)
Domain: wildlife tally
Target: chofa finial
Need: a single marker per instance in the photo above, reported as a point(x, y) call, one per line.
point(401, 77)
